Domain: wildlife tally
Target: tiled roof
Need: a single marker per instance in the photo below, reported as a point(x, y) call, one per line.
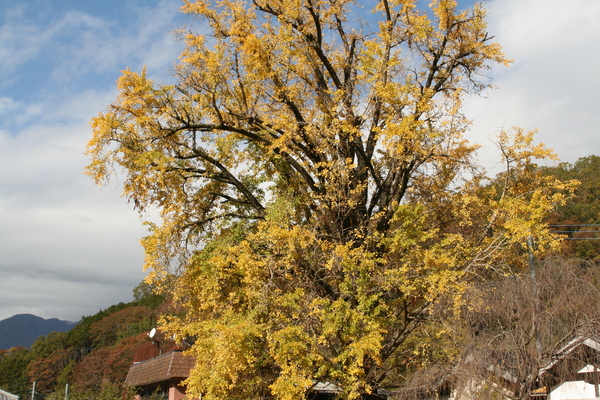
point(162, 368)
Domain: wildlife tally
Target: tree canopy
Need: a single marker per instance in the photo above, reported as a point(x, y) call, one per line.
point(316, 193)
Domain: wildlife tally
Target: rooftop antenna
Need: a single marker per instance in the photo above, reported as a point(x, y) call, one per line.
point(152, 335)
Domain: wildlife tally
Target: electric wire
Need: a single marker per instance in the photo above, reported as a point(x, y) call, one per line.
point(572, 232)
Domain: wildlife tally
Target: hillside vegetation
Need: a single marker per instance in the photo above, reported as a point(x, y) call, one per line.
point(579, 218)
point(92, 358)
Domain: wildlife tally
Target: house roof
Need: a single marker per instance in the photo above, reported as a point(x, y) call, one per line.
point(579, 344)
point(159, 369)
point(7, 396)
point(326, 387)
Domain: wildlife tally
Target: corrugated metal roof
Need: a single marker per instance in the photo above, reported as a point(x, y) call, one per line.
point(159, 369)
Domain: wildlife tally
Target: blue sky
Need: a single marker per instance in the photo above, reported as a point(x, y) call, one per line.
point(69, 248)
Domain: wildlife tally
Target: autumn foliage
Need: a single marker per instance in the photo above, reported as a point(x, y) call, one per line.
point(93, 358)
point(317, 196)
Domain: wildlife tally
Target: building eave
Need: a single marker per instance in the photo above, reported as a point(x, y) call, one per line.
point(172, 365)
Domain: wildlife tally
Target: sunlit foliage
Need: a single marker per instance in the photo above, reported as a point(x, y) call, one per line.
point(317, 196)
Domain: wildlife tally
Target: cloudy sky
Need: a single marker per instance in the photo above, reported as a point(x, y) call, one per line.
point(69, 248)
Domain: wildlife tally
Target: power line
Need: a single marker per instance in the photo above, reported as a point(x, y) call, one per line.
point(577, 225)
point(588, 238)
point(573, 232)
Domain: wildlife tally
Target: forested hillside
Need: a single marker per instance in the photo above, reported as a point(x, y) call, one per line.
point(92, 358)
point(579, 218)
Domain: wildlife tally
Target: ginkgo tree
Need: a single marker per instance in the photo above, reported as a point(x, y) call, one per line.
point(316, 193)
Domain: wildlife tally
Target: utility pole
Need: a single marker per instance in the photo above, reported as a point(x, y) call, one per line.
point(66, 391)
point(536, 300)
point(596, 387)
point(33, 391)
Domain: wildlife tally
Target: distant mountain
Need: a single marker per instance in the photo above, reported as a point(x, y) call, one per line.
point(24, 329)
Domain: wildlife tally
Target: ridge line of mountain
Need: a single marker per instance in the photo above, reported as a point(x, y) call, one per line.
point(24, 329)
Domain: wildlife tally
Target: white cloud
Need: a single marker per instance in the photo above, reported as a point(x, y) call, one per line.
point(59, 51)
point(56, 298)
point(59, 232)
point(553, 83)
point(7, 105)
point(19, 42)
point(68, 247)
point(148, 42)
